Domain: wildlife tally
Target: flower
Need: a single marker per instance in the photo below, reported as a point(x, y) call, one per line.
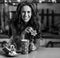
point(34, 33)
point(28, 29)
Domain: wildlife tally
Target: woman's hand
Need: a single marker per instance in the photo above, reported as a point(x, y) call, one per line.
point(31, 30)
point(28, 29)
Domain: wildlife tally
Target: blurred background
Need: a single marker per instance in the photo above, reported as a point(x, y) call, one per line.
point(48, 12)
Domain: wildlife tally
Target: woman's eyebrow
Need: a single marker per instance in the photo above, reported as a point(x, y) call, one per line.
point(28, 11)
point(23, 11)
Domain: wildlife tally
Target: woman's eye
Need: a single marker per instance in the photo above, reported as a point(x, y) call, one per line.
point(28, 11)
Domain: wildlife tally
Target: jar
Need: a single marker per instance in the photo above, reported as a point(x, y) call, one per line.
point(25, 46)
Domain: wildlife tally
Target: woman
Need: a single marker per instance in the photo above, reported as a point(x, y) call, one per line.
point(25, 25)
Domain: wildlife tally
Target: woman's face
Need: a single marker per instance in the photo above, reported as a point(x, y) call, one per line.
point(26, 13)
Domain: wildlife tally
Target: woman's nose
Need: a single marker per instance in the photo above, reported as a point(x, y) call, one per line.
point(26, 14)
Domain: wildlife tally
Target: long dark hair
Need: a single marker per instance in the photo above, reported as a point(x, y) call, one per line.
point(18, 20)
